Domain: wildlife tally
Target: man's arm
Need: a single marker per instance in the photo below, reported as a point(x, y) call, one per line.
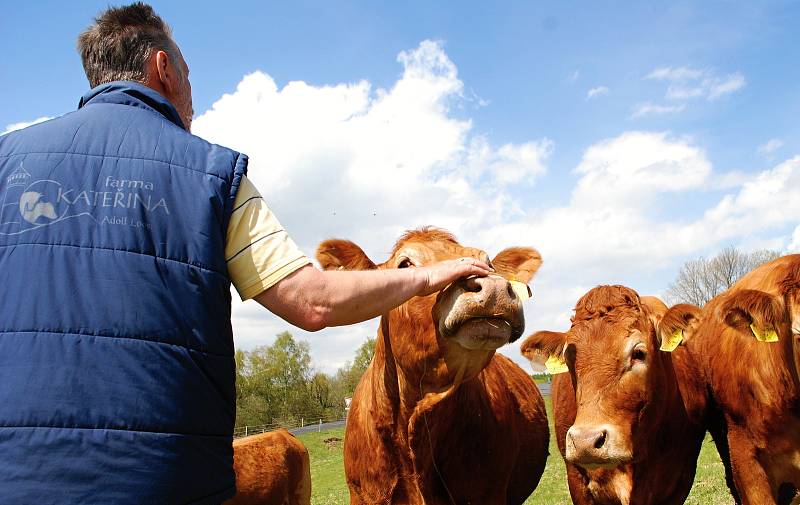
point(312, 299)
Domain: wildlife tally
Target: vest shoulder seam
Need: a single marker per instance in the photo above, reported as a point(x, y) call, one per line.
point(107, 428)
point(183, 262)
point(170, 163)
point(122, 337)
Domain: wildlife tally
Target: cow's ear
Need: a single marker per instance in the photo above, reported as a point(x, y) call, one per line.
point(336, 254)
point(677, 326)
point(753, 312)
point(517, 263)
point(654, 308)
point(546, 348)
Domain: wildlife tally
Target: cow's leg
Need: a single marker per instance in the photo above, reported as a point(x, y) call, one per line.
point(748, 474)
point(719, 433)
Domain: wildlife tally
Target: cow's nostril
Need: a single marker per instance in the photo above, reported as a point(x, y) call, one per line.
point(601, 439)
point(472, 285)
point(510, 290)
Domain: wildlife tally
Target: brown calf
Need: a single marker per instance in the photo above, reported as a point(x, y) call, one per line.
point(271, 469)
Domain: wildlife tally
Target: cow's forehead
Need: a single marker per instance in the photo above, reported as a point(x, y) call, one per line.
point(605, 329)
point(430, 251)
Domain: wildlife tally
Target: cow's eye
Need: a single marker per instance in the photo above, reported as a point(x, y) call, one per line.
point(638, 355)
point(405, 263)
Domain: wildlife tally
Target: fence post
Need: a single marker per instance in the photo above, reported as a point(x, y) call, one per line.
point(320, 426)
point(245, 431)
point(302, 422)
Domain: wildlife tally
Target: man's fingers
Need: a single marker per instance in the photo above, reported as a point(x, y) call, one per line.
point(475, 266)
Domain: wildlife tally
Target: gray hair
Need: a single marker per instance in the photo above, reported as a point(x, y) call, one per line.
point(117, 46)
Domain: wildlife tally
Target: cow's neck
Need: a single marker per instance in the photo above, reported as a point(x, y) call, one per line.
point(669, 421)
point(421, 402)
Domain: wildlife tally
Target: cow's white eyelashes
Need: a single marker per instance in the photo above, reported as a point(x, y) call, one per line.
point(639, 354)
point(405, 263)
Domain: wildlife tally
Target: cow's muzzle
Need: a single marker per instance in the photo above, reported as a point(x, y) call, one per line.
point(596, 447)
point(481, 312)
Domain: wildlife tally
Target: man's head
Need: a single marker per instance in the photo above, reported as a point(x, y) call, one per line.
point(132, 43)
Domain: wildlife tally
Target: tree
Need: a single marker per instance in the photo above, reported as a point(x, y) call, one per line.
point(322, 391)
point(352, 372)
point(702, 279)
point(275, 383)
point(272, 382)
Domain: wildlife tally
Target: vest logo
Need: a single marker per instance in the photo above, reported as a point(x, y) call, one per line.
point(32, 207)
point(28, 204)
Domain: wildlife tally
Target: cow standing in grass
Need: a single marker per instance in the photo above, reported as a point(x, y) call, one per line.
point(747, 341)
point(438, 417)
point(630, 418)
point(271, 469)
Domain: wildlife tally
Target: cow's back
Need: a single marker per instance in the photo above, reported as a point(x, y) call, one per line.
point(271, 469)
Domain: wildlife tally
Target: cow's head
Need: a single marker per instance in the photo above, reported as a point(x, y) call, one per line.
point(773, 321)
point(621, 378)
point(452, 333)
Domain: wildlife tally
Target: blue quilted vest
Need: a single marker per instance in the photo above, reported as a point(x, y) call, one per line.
point(116, 349)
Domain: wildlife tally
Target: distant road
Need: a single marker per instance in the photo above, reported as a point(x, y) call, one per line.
point(316, 427)
point(545, 388)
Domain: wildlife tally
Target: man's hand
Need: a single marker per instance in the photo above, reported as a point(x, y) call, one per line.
point(313, 300)
point(439, 275)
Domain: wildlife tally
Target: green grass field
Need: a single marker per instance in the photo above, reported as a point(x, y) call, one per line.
point(329, 488)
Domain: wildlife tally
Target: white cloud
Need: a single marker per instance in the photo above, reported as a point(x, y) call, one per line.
point(352, 161)
point(794, 245)
point(651, 109)
point(610, 221)
point(718, 87)
point(674, 74)
point(686, 83)
point(770, 146)
point(18, 126)
point(595, 92)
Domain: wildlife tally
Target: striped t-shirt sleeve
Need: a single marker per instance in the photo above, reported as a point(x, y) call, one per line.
point(258, 250)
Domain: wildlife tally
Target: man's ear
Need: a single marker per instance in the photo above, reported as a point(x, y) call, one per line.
point(545, 348)
point(337, 254)
point(753, 313)
point(517, 263)
point(677, 326)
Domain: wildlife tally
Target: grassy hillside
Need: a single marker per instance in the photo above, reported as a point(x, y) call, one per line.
point(329, 488)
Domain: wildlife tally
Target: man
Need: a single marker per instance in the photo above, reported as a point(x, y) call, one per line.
point(120, 234)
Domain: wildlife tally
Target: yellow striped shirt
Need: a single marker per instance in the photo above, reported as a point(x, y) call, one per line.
point(258, 250)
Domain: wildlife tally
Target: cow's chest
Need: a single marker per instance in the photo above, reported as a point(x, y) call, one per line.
point(462, 454)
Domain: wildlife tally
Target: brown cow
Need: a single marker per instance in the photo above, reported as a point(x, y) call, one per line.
point(271, 469)
point(629, 418)
point(438, 417)
point(747, 342)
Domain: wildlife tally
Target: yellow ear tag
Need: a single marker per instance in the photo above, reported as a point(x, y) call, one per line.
point(768, 335)
point(673, 341)
point(555, 365)
point(521, 289)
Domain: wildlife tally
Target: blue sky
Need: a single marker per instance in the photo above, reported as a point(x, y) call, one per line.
point(707, 92)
